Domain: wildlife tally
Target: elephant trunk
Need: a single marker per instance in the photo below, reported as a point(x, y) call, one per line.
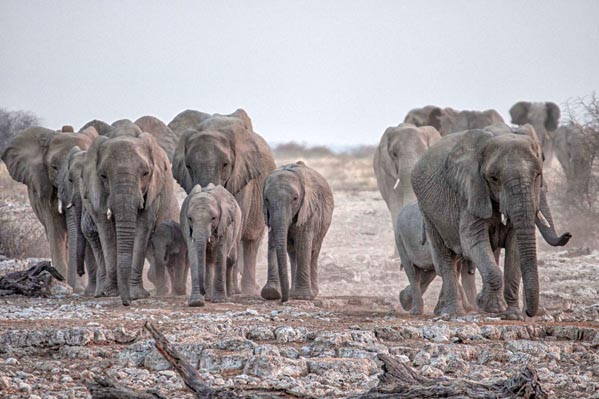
point(405, 186)
point(280, 226)
point(76, 242)
point(125, 213)
point(198, 270)
point(523, 218)
point(548, 232)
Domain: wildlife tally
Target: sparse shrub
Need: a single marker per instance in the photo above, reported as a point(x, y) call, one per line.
point(12, 122)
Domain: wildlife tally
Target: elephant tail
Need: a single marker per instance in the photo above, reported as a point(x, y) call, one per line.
point(423, 232)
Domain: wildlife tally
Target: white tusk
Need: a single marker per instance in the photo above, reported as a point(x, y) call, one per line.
point(109, 214)
point(396, 183)
point(542, 219)
point(69, 206)
point(210, 239)
point(60, 207)
point(503, 219)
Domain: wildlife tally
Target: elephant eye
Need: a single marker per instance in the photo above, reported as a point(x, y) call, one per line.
point(188, 167)
point(394, 154)
point(494, 179)
point(146, 173)
point(103, 176)
point(225, 165)
point(295, 197)
point(213, 218)
point(70, 180)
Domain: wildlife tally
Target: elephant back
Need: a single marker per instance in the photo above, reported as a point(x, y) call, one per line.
point(166, 138)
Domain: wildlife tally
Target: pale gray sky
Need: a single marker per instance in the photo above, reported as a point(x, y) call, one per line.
point(326, 72)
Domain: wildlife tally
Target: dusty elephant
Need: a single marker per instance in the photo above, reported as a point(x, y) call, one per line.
point(575, 148)
point(472, 187)
point(128, 191)
point(298, 208)
point(395, 157)
point(211, 223)
point(448, 120)
point(167, 252)
point(225, 150)
point(167, 139)
point(34, 157)
point(543, 116)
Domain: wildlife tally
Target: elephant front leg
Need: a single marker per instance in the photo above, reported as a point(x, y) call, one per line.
point(415, 305)
point(468, 280)
point(142, 237)
point(107, 235)
point(219, 287)
point(92, 271)
point(209, 274)
point(302, 244)
point(450, 302)
point(56, 232)
point(272, 288)
point(248, 278)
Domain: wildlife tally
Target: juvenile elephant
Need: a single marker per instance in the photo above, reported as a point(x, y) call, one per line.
point(34, 157)
point(575, 147)
point(543, 116)
point(167, 251)
point(211, 222)
point(128, 191)
point(448, 120)
point(298, 208)
point(473, 187)
point(395, 157)
point(225, 150)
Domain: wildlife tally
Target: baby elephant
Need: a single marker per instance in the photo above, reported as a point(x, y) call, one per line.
point(298, 207)
point(211, 223)
point(167, 251)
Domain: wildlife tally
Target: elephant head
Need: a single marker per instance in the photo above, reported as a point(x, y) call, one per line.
point(167, 251)
point(448, 120)
point(166, 138)
point(101, 127)
point(543, 116)
point(430, 115)
point(503, 174)
point(128, 181)
point(188, 119)
point(222, 150)
point(574, 147)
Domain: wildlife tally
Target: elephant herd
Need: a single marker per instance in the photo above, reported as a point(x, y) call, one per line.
point(461, 186)
point(106, 198)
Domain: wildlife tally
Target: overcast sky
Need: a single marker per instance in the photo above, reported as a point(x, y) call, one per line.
point(322, 72)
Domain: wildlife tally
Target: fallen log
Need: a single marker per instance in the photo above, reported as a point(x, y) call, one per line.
point(33, 282)
point(107, 388)
point(401, 380)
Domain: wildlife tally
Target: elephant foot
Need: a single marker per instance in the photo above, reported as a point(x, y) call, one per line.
point(450, 310)
point(491, 302)
point(138, 292)
point(512, 313)
point(161, 292)
point(416, 311)
point(77, 287)
point(178, 292)
point(250, 290)
point(271, 291)
point(405, 298)
point(196, 300)
point(304, 294)
point(111, 291)
point(220, 298)
point(90, 291)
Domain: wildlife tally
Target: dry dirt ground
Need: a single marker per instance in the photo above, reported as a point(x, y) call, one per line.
point(323, 348)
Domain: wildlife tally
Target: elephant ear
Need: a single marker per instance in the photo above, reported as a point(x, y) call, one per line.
point(180, 171)
point(528, 130)
point(24, 158)
point(519, 112)
point(434, 118)
point(89, 132)
point(247, 121)
point(553, 114)
point(315, 196)
point(382, 153)
point(93, 189)
point(431, 135)
point(227, 206)
point(161, 169)
point(463, 169)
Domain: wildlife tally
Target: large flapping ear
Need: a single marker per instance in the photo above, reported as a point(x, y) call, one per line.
point(553, 114)
point(24, 158)
point(463, 170)
point(252, 156)
point(227, 204)
point(161, 168)
point(383, 155)
point(166, 138)
point(93, 189)
point(519, 112)
point(180, 171)
point(315, 195)
point(241, 114)
point(528, 130)
point(90, 132)
point(431, 135)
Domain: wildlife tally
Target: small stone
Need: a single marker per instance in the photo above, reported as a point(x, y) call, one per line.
point(436, 332)
point(11, 361)
point(252, 312)
point(289, 334)
point(260, 333)
point(431, 372)
point(24, 387)
point(267, 350)
point(289, 352)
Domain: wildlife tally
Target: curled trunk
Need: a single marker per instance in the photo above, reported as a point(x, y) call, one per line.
point(549, 234)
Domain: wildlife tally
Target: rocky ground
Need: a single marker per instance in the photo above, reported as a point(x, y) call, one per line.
point(329, 347)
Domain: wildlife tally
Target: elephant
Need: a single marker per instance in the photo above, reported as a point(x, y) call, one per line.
point(127, 191)
point(298, 208)
point(166, 138)
point(167, 251)
point(212, 226)
point(101, 127)
point(575, 147)
point(395, 157)
point(448, 120)
point(225, 150)
point(188, 119)
point(543, 116)
point(473, 188)
point(34, 157)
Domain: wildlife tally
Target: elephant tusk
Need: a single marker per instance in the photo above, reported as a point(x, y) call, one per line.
point(396, 183)
point(60, 207)
point(210, 239)
point(542, 219)
point(503, 220)
point(69, 206)
point(109, 214)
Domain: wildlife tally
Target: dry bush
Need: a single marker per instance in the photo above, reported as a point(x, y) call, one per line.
point(12, 122)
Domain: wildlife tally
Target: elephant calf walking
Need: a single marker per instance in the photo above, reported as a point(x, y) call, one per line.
point(298, 206)
point(211, 222)
point(167, 251)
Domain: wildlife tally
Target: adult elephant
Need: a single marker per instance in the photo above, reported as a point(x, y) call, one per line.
point(395, 157)
point(543, 116)
point(166, 138)
point(128, 190)
point(101, 127)
point(34, 158)
point(225, 150)
point(448, 120)
point(575, 148)
point(474, 187)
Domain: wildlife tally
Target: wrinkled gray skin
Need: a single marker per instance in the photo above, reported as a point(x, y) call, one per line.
point(127, 191)
point(395, 157)
point(463, 184)
point(167, 251)
point(543, 116)
point(34, 158)
point(298, 208)
point(211, 222)
point(574, 147)
point(166, 138)
point(224, 150)
point(448, 120)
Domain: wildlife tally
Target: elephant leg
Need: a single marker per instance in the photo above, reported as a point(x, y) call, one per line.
point(57, 238)
point(426, 278)
point(93, 240)
point(291, 251)
point(107, 234)
point(92, 271)
point(158, 272)
point(302, 243)
point(512, 276)
point(316, 245)
point(248, 278)
point(219, 286)
point(272, 288)
point(209, 275)
point(140, 246)
point(468, 279)
point(178, 269)
point(444, 259)
point(231, 264)
point(415, 305)
point(237, 269)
